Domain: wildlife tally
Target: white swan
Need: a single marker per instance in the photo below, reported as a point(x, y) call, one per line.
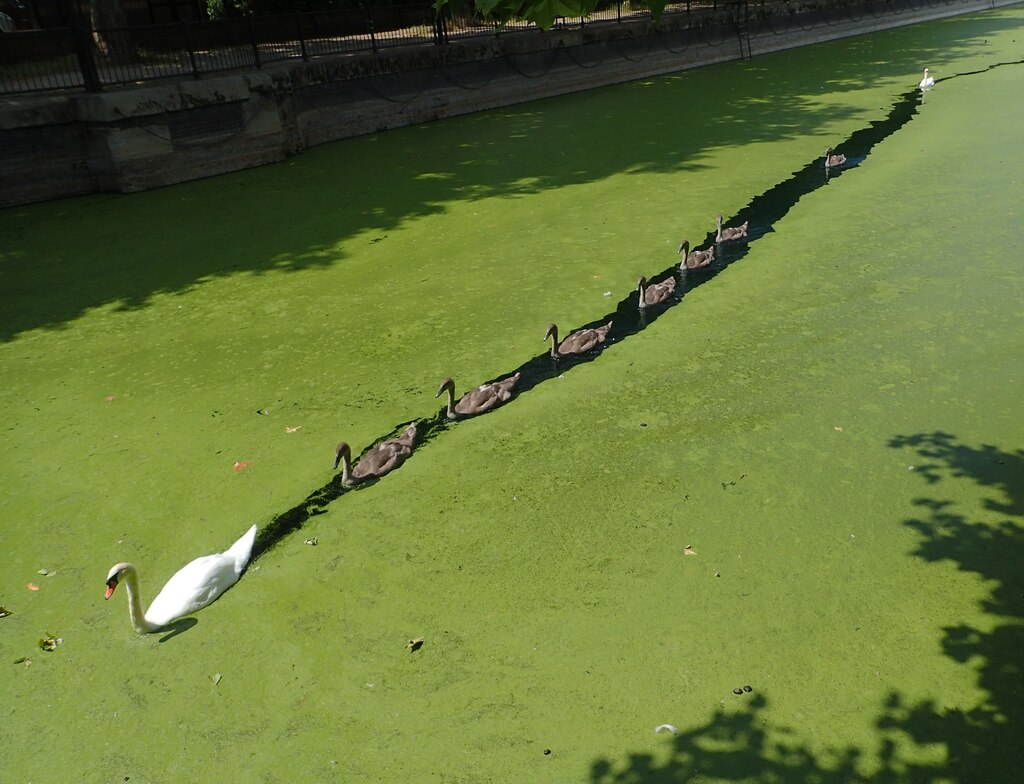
point(928, 80)
point(194, 586)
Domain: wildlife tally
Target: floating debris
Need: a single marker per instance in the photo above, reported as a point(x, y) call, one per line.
point(50, 642)
point(32, 587)
point(312, 541)
point(4, 612)
point(216, 678)
point(607, 293)
point(110, 398)
point(241, 465)
point(748, 689)
point(689, 550)
point(46, 572)
point(263, 411)
point(667, 728)
point(737, 691)
point(547, 752)
point(414, 645)
point(838, 429)
point(292, 429)
point(24, 660)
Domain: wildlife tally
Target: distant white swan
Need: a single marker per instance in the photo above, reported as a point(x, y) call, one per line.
point(928, 81)
point(192, 587)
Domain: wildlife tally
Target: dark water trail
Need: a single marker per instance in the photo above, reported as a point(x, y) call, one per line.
point(762, 213)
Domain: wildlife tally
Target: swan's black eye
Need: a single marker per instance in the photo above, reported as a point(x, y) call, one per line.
point(112, 582)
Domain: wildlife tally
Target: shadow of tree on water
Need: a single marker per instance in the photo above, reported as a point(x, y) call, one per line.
point(734, 746)
point(66, 258)
point(979, 742)
point(983, 742)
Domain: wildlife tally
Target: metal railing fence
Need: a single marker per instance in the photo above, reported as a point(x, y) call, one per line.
point(77, 57)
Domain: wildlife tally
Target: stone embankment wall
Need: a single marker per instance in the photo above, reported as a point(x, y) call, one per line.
point(132, 139)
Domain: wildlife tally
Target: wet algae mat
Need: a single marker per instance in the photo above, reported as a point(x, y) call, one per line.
point(804, 477)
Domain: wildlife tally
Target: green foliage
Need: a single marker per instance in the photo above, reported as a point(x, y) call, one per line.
point(541, 12)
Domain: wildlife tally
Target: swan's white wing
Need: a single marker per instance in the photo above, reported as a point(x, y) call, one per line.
point(193, 587)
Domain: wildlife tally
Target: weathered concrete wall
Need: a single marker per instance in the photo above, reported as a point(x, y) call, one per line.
point(133, 139)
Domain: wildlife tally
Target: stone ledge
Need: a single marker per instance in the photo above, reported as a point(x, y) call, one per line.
point(121, 140)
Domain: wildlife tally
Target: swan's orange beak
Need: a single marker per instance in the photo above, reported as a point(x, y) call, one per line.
point(111, 585)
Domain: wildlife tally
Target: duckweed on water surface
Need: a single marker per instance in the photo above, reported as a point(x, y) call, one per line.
point(830, 426)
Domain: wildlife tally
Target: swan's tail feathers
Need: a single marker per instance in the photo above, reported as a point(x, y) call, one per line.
point(241, 550)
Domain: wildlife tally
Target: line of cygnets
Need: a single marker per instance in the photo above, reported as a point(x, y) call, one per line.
point(202, 581)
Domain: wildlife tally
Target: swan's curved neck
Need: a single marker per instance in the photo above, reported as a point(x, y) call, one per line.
point(553, 333)
point(346, 468)
point(718, 237)
point(450, 389)
point(139, 621)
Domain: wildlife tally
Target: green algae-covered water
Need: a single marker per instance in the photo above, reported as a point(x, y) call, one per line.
point(831, 426)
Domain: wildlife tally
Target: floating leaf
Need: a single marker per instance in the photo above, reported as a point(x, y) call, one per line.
point(32, 587)
point(689, 550)
point(110, 398)
point(838, 429)
point(216, 678)
point(292, 429)
point(241, 465)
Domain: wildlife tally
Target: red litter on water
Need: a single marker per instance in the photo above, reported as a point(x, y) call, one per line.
point(241, 465)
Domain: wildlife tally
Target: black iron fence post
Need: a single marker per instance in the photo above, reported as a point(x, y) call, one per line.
point(193, 63)
point(302, 36)
point(369, 26)
point(252, 41)
point(82, 39)
point(441, 27)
